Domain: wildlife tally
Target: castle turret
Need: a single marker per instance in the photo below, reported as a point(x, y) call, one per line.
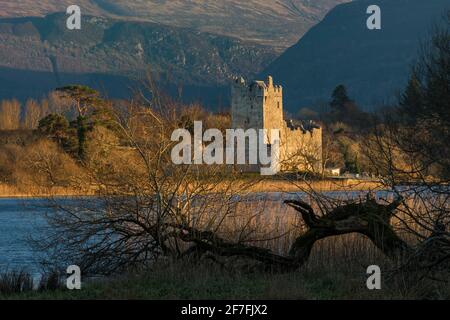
point(270, 81)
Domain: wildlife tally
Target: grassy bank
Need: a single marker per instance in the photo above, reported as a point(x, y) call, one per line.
point(336, 269)
point(208, 282)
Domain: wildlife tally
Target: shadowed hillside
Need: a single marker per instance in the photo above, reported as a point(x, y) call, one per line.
point(374, 65)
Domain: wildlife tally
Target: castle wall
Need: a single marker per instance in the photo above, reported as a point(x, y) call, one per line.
point(301, 150)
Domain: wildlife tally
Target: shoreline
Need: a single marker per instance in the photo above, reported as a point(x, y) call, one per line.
point(266, 185)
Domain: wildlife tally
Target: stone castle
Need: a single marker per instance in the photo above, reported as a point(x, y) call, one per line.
point(259, 105)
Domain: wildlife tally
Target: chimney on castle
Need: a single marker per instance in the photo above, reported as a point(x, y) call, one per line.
point(269, 81)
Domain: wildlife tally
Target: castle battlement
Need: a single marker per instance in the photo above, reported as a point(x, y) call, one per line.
point(257, 87)
point(302, 127)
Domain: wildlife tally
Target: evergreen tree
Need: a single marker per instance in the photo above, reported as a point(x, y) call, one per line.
point(84, 98)
point(412, 100)
point(339, 99)
point(57, 128)
point(345, 110)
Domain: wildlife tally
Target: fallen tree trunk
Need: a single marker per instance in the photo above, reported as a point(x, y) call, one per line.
point(368, 218)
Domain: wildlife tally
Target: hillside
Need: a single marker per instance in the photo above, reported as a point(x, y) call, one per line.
point(38, 54)
point(277, 23)
point(374, 65)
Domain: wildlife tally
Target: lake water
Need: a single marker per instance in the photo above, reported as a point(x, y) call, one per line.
point(19, 221)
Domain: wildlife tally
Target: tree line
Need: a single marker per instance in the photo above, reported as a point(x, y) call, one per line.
point(15, 115)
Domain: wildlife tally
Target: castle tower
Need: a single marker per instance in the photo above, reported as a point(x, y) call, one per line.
point(258, 105)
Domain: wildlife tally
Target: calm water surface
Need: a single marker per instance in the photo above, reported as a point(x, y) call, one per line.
point(19, 221)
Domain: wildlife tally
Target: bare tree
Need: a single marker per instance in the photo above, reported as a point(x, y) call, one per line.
point(410, 149)
point(9, 115)
point(32, 114)
point(145, 206)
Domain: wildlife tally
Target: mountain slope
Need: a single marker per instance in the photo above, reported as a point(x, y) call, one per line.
point(107, 47)
point(373, 64)
point(279, 23)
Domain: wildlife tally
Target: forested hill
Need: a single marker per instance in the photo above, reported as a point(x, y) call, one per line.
point(38, 54)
